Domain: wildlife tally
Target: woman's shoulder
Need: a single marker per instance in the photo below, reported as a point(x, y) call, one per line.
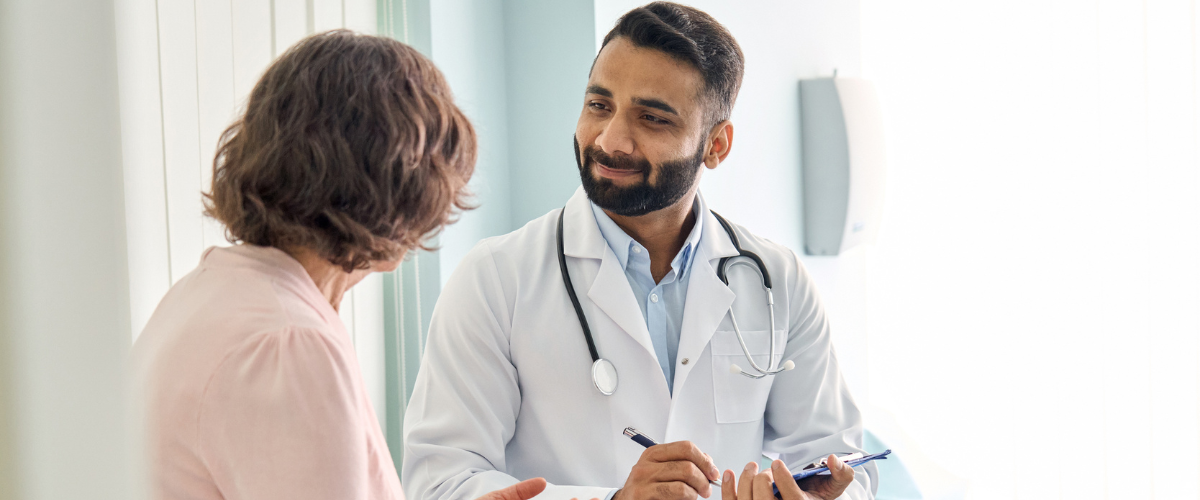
point(218, 314)
point(292, 354)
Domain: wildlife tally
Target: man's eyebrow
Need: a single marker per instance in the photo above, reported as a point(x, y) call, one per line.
point(656, 104)
point(640, 101)
point(598, 90)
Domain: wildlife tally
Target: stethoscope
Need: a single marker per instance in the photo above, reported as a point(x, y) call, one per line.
point(604, 374)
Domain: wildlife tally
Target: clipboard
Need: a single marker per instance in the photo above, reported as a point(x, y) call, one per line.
point(820, 470)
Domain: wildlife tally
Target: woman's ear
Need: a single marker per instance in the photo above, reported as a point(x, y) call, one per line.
point(720, 141)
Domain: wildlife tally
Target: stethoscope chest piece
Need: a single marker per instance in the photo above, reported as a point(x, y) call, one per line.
point(604, 376)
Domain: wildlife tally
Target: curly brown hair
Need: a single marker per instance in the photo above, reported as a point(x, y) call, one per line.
point(351, 146)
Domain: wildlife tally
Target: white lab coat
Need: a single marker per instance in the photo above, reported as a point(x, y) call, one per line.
point(505, 390)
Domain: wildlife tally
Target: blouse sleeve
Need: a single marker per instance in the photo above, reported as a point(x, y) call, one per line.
point(278, 420)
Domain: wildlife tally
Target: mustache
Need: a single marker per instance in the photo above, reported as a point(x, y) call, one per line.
point(595, 155)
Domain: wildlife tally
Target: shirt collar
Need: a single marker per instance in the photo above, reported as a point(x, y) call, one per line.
point(622, 244)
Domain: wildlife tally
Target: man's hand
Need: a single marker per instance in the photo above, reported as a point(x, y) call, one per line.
point(523, 490)
point(754, 485)
point(672, 471)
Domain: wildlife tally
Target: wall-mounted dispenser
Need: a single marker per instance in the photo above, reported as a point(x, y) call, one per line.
point(843, 167)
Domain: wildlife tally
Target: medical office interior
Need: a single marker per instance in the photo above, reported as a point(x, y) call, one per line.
point(1026, 324)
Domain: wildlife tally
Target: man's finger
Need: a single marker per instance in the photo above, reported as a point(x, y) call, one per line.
point(728, 487)
point(788, 489)
point(762, 485)
point(675, 489)
point(747, 481)
point(683, 450)
point(682, 471)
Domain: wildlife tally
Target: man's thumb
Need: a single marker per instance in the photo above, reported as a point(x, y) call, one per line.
point(843, 475)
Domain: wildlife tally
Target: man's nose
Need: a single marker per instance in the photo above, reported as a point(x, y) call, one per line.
point(615, 137)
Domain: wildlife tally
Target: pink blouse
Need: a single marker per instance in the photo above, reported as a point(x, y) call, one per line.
point(253, 391)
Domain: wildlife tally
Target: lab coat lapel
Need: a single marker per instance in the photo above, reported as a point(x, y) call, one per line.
point(610, 290)
point(708, 299)
point(612, 294)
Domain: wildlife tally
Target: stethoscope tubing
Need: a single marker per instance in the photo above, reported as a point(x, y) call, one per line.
point(566, 276)
point(772, 369)
point(722, 268)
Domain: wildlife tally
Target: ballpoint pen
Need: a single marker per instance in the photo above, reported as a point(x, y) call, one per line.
point(645, 440)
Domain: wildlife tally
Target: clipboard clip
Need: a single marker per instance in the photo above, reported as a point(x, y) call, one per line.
point(823, 462)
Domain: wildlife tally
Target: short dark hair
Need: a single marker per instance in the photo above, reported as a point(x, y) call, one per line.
point(694, 37)
point(350, 145)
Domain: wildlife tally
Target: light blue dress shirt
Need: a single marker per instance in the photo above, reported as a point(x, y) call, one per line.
point(661, 303)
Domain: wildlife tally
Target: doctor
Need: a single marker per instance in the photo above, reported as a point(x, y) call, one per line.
point(509, 387)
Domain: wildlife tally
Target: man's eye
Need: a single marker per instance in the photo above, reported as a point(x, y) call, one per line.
point(655, 120)
point(597, 106)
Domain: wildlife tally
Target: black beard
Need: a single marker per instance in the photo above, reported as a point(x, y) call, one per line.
point(675, 178)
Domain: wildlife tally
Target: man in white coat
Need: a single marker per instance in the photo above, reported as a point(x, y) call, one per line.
point(506, 387)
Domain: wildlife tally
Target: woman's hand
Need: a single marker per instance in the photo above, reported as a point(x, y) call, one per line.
point(523, 490)
point(755, 485)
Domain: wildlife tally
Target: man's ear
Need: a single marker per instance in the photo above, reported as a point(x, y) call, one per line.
point(720, 141)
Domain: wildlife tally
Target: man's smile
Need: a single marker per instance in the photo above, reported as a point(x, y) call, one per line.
point(615, 173)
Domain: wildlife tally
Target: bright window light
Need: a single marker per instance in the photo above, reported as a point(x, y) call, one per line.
point(1034, 297)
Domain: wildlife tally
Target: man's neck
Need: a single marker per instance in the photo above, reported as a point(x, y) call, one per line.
point(662, 232)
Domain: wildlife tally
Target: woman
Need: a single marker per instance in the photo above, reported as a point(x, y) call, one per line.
point(350, 153)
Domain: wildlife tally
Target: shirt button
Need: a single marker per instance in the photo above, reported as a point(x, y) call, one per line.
point(685, 360)
point(654, 298)
point(637, 250)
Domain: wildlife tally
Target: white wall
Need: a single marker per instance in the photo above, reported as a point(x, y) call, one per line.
point(186, 69)
point(64, 307)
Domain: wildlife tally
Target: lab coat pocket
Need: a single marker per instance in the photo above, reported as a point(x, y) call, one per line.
point(740, 398)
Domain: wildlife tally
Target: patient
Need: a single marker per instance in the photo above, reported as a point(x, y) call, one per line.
point(350, 153)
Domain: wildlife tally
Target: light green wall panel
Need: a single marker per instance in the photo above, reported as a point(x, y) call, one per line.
point(409, 292)
point(407, 21)
point(549, 47)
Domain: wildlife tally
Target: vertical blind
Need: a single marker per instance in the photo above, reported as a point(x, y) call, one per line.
point(1034, 297)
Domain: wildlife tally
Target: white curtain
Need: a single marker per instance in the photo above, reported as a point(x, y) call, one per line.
point(1034, 297)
